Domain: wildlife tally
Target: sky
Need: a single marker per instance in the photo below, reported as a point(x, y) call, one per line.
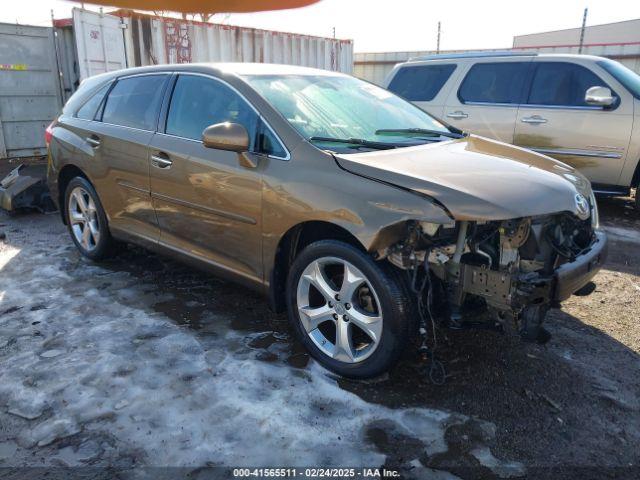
point(380, 26)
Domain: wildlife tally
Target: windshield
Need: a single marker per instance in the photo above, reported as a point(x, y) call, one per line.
point(628, 78)
point(324, 108)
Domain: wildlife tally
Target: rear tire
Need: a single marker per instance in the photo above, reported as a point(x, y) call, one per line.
point(359, 328)
point(86, 220)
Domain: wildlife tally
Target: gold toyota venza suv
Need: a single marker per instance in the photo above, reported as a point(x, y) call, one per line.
point(364, 217)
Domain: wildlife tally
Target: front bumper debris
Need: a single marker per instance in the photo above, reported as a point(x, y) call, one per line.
point(572, 276)
point(25, 188)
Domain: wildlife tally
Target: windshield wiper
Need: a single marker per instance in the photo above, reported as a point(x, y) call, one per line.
point(356, 141)
point(419, 131)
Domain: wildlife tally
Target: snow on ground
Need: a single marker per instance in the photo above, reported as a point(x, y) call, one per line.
point(99, 377)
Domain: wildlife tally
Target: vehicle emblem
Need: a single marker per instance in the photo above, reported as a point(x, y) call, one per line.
point(582, 207)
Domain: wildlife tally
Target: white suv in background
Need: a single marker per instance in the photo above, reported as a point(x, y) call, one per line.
point(579, 109)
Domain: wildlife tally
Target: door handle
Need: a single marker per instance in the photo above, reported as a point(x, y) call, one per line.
point(458, 115)
point(93, 141)
point(161, 160)
point(534, 120)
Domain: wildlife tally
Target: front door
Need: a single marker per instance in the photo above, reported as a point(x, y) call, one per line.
point(208, 205)
point(555, 120)
point(487, 101)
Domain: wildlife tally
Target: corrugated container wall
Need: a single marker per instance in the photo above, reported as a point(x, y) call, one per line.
point(29, 89)
point(152, 40)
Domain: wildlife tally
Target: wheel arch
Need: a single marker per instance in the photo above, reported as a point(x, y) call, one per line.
point(292, 243)
point(66, 174)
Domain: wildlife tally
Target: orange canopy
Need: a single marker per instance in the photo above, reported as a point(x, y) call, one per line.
point(204, 6)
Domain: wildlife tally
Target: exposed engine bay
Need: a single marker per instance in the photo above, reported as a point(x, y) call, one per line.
point(511, 268)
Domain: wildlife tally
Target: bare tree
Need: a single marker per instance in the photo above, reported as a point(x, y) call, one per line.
point(206, 16)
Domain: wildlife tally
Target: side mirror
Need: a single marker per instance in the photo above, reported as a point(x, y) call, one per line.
point(226, 136)
point(599, 96)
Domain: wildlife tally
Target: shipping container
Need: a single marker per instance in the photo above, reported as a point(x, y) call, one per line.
point(154, 40)
point(29, 89)
point(96, 42)
point(89, 43)
point(43, 66)
point(99, 42)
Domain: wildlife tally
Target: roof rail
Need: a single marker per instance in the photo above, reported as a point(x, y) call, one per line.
point(495, 53)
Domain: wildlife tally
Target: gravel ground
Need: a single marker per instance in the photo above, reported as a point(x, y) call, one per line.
point(142, 362)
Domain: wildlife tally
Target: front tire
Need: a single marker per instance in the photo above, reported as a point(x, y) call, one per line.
point(351, 313)
point(86, 220)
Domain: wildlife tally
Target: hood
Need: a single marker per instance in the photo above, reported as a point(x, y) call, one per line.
point(476, 178)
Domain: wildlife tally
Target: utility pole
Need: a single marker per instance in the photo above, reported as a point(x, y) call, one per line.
point(584, 25)
point(334, 32)
point(438, 43)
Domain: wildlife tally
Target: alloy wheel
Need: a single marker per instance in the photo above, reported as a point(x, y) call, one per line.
point(339, 309)
point(83, 218)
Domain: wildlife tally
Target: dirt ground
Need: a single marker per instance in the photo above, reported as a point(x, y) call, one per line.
point(143, 362)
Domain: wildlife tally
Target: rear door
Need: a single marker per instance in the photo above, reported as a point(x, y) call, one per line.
point(207, 204)
point(486, 102)
point(555, 120)
point(427, 85)
point(127, 121)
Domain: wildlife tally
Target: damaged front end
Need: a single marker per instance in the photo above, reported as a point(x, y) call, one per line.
point(515, 269)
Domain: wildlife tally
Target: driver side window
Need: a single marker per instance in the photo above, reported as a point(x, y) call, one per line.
point(198, 102)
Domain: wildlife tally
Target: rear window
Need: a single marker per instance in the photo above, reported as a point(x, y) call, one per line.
point(89, 109)
point(135, 102)
point(494, 83)
point(562, 84)
point(420, 83)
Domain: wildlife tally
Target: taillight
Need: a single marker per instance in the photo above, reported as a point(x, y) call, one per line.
point(48, 133)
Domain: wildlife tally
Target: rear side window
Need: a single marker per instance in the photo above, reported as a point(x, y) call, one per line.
point(494, 83)
point(89, 109)
point(135, 102)
point(420, 83)
point(198, 102)
point(562, 84)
